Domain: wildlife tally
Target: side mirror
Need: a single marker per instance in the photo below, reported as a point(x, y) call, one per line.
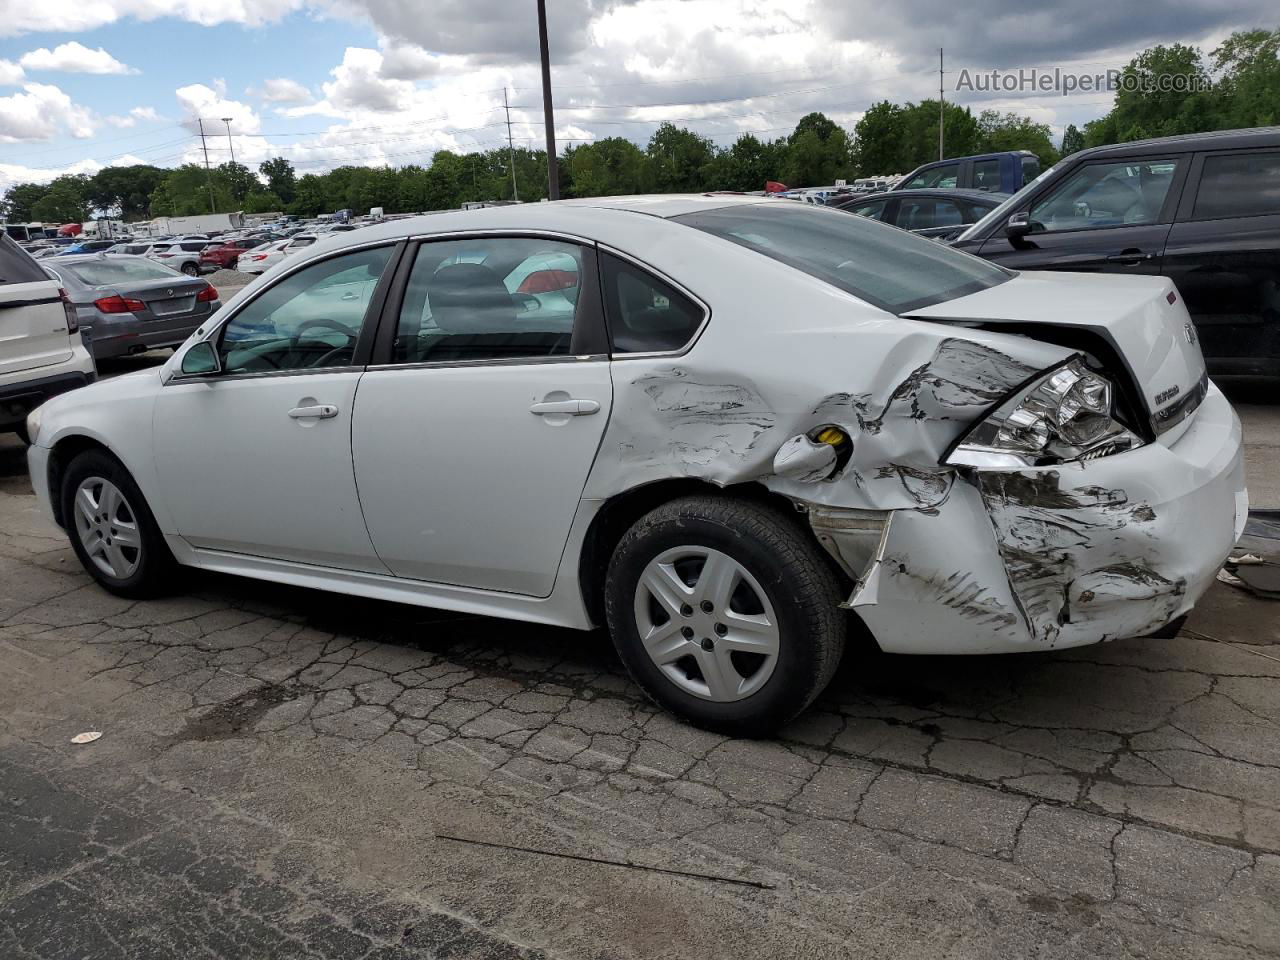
point(201, 361)
point(1018, 225)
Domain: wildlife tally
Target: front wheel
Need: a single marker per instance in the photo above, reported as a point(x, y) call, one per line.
point(112, 531)
point(725, 612)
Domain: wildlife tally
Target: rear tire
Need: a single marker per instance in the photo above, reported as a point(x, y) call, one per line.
point(725, 613)
point(191, 270)
point(111, 528)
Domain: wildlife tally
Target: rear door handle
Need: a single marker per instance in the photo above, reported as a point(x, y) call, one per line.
point(1130, 256)
point(317, 411)
point(573, 407)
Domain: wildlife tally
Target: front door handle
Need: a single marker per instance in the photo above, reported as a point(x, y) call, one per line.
point(572, 407)
point(316, 411)
point(1130, 257)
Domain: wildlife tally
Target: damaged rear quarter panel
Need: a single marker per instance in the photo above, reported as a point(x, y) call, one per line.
point(784, 353)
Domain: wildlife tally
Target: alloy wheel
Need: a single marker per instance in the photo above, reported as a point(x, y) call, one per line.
point(108, 528)
point(706, 623)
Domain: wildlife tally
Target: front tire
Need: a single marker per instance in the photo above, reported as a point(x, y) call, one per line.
point(725, 613)
point(112, 530)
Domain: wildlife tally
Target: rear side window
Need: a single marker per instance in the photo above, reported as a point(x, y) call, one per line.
point(16, 265)
point(872, 211)
point(645, 314)
point(1238, 185)
point(926, 212)
point(489, 298)
point(1030, 170)
point(194, 246)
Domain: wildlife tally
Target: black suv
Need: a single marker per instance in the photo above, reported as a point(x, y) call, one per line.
point(1203, 210)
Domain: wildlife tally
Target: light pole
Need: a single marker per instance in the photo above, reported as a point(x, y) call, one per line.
point(230, 143)
point(553, 172)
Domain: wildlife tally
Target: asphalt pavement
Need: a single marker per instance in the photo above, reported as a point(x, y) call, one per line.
point(285, 773)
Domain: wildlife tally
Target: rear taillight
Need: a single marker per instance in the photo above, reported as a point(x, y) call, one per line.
point(69, 308)
point(208, 294)
point(258, 256)
point(546, 281)
point(118, 304)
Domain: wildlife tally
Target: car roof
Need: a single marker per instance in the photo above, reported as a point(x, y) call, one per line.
point(1213, 140)
point(964, 193)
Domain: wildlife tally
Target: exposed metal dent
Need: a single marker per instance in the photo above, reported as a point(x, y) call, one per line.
point(804, 460)
point(856, 539)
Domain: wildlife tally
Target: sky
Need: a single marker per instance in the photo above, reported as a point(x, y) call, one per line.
point(91, 83)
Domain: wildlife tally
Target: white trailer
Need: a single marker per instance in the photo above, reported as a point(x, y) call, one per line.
point(204, 223)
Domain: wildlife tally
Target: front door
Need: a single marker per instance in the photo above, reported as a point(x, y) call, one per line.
point(257, 460)
point(1110, 216)
point(473, 439)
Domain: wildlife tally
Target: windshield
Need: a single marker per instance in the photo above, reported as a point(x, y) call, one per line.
point(887, 267)
point(104, 273)
point(1001, 213)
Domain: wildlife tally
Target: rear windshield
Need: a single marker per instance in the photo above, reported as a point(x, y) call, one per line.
point(16, 265)
point(304, 241)
point(887, 267)
point(105, 273)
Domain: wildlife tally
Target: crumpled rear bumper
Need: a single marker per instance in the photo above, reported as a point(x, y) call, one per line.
point(1056, 557)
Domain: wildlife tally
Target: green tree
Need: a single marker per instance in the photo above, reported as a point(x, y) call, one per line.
point(1248, 86)
point(1162, 92)
point(263, 201)
point(678, 159)
point(1072, 140)
point(280, 177)
point(1009, 131)
point(21, 198)
point(238, 179)
point(817, 123)
point(606, 168)
point(125, 191)
point(65, 202)
point(749, 164)
point(310, 196)
point(879, 140)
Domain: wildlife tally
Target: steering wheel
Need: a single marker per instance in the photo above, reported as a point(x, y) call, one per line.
point(342, 328)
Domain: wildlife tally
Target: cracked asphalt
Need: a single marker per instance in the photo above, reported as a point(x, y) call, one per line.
point(284, 773)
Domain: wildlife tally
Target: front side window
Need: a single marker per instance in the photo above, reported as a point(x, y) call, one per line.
point(310, 320)
point(1238, 185)
point(892, 269)
point(489, 298)
point(872, 211)
point(986, 175)
point(1122, 193)
point(943, 175)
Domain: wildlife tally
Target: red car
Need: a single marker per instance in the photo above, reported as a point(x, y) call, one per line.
point(224, 256)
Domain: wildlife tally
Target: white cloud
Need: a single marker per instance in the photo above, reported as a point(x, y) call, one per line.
point(10, 73)
point(40, 112)
point(73, 57)
point(210, 104)
point(280, 90)
point(134, 117)
point(79, 16)
point(358, 84)
point(407, 61)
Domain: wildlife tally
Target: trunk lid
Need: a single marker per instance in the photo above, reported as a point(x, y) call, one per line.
point(1142, 318)
point(165, 298)
point(33, 326)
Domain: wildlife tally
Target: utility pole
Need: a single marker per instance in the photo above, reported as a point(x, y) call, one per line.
point(511, 150)
point(941, 113)
point(207, 173)
point(553, 172)
point(230, 143)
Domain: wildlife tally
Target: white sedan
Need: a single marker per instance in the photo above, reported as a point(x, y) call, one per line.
point(262, 259)
point(730, 429)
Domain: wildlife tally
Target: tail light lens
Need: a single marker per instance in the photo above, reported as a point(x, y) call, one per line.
point(545, 281)
point(208, 294)
point(119, 304)
point(69, 308)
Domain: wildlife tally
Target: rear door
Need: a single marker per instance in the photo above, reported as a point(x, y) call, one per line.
point(1104, 216)
point(1224, 255)
point(33, 323)
point(474, 435)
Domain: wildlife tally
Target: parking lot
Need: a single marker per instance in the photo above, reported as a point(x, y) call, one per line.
point(289, 773)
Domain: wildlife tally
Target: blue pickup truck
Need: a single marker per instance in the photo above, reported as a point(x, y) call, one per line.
point(1005, 172)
